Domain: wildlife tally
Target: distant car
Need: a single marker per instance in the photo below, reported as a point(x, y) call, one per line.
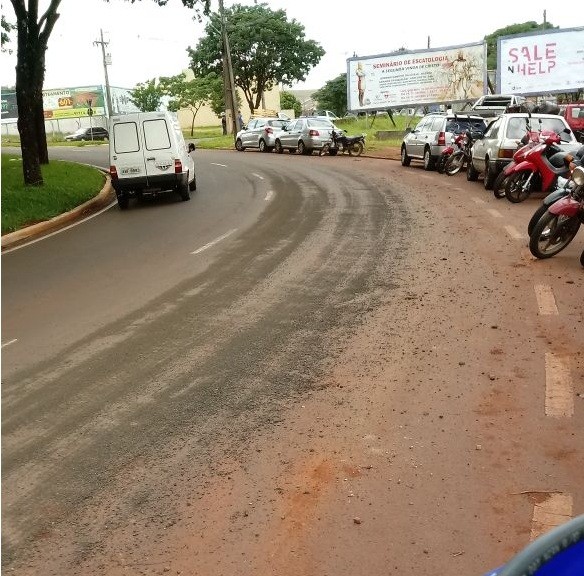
point(327, 114)
point(574, 115)
point(83, 134)
point(433, 133)
point(259, 133)
point(492, 152)
point(304, 134)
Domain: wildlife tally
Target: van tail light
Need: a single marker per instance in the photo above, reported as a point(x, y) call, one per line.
point(314, 133)
point(177, 166)
point(268, 130)
point(113, 172)
point(442, 139)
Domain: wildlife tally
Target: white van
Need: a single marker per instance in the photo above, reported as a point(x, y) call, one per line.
point(148, 154)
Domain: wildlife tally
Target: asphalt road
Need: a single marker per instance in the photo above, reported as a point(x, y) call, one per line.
point(317, 365)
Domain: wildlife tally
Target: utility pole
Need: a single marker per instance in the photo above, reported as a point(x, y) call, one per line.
point(106, 61)
point(228, 73)
point(544, 20)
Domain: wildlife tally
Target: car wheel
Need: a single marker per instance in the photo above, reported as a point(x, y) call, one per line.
point(239, 145)
point(263, 147)
point(278, 147)
point(193, 184)
point(123, 201)
point(471, 173)
point(428, 160)
point(490, 175)
point(303, 149)
point(183, 192)
point(405, 159)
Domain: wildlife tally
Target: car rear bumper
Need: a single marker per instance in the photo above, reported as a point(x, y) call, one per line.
point(149, 183)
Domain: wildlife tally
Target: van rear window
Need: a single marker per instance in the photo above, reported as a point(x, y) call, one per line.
point(126, 137)
point(156, 135)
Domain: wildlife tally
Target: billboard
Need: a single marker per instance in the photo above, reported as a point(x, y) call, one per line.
point(451, 74)
point(73, 102)
point(541, 62)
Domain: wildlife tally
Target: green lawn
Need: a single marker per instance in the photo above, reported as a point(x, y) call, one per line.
point(67, 185)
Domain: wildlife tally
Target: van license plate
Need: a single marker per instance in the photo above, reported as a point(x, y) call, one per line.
point(130, 170)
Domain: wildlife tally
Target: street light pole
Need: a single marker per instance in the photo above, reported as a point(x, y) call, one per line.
point(228, 76)
point(105, 64)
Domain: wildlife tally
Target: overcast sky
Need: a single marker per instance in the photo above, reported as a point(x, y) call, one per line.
point(147, 40)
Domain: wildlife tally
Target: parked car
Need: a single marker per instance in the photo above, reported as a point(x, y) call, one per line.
point(83, 134)
point(495, 149)
point(304, 134)
point(433, 133)
point(574, 115)
point(259, 133)
point(327, 114)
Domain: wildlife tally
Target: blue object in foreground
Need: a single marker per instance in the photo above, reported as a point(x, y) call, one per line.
point(560, 552)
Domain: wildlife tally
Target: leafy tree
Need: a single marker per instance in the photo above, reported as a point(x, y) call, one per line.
point(147, 96)
point(333, 95)
point(266, 49)
point(189, 94)
point(524, 28)
point(289, 102)
point(6, 28)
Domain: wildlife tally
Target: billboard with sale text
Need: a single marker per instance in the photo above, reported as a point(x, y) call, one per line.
point(541, 62)
point(433, 76)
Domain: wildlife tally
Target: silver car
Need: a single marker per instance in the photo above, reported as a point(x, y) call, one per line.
point(304, 134)
point(259, 133)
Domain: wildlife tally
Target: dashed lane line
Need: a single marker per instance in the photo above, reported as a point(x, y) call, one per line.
point(554, 511)
point(257, 175)
point(559, 391)
point(213, 242)
point(546, 301)
point(9, 342)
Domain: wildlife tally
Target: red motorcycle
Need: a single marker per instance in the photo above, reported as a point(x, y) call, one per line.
point(456, 144)
point(561, 221)
point(529, 141)
point(539, 170)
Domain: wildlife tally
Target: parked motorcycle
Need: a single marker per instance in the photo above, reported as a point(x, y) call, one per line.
point(342, 143)
point(560, 223)
point(459, 158)
point(529, 140)
point(563, 188)
point(456, 143)
point(539, 170)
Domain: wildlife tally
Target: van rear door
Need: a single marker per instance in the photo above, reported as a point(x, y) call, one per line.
point(126, 148)
point(158, 147)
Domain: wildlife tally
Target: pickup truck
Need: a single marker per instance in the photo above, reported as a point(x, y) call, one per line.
point(492, 105)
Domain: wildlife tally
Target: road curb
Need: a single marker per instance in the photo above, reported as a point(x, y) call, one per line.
point(105, 197)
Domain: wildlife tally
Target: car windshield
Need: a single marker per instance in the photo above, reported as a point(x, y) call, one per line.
point(461, 124)
point(518, 126)
point(278, 123)
point(319, 123)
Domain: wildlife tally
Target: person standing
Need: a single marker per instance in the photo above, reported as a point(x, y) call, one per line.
point(223, 123)
point(239, 120)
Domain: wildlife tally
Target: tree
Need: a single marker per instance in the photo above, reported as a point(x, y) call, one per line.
point(289, 102)
point(7, 27)
point(333, 95)
point(147, 96)
point(190, 94)
point(524, 28)
point(266, 49)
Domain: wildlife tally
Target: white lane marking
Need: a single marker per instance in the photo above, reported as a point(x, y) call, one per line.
point(217, 164)
point(495, 213)
point(10, 342)
point(257, 175)
point(477, 200)
point(546, 300)
point(555, 510)
point(213, 242)
point(8, 250)
point(514, 233)
point(269, 195)
point(559, 392)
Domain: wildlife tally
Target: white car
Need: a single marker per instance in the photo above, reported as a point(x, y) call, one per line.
point(259, 133)
point(492, 152)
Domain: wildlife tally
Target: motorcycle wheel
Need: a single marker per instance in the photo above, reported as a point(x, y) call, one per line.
point(552, 234)
point(454, 164)
point(441, 163)
point(535, 218)
point(356, 149)
point(582, 258)
point(499, 185)
point(515, 190)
